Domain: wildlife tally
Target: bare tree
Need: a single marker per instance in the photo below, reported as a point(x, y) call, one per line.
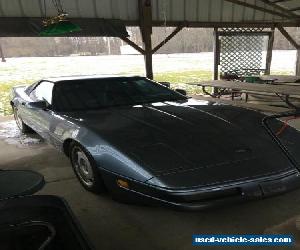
point(2, 54)
point(189, 40)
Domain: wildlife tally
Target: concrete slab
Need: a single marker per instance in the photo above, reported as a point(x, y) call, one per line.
point(112, 225)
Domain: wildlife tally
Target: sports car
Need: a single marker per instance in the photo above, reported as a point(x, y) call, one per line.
point(143, 142)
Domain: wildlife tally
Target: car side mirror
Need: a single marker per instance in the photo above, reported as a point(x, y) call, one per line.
point(38, 105)
point(181, 91)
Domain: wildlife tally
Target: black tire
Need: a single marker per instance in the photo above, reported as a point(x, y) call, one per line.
point(21, 125)
point(85, 169)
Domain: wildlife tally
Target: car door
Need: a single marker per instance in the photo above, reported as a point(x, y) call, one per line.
point(41, 118)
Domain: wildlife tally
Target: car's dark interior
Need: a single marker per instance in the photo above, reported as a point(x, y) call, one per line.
point(103, 93)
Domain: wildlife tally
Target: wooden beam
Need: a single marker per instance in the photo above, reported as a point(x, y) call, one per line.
point(281, 1)
point(246, 33)
point(280, 8)
point(295, 9)
point(288, 37)
point(20, 27)
point(269, 52)
point(252, 6)
point(168, 38)
point(244, 24)
point(133, 45)
point(31, 26)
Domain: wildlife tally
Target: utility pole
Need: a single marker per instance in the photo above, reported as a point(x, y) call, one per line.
point(1, 54)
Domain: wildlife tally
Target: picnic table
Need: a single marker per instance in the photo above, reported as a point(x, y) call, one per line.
point(281, 79)
point(283, 91)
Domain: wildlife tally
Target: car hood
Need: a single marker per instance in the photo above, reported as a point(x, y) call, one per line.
point(173, 137)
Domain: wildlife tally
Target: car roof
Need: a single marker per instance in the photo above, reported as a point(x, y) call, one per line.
point(86, 77)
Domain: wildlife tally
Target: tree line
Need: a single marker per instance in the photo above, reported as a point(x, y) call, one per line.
point(189, 40)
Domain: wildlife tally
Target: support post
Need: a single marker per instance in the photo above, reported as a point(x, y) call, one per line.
point(167, 39)
point(133, 45)
point(269, 52)
point(298, 63)
point(216, 54)
point(146, 31)
point(288, 37)
point(295, 44)
point(2, 54)
point(148, 57)
point(256, 7)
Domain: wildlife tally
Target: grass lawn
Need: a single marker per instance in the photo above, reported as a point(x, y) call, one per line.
point(184, 76)
point(178, 79)
point(5, 90)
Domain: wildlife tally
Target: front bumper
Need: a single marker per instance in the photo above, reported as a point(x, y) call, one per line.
point(205, 197)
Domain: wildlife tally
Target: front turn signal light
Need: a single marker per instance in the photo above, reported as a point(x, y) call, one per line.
point(122, 183)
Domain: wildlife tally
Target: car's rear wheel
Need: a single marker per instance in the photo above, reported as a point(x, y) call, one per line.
point(84, 167)
point(21, 125)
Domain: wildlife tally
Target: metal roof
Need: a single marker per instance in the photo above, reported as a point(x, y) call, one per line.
point(109, 9)
point(164, 11)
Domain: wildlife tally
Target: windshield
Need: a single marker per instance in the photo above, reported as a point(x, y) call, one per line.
point(100, 93)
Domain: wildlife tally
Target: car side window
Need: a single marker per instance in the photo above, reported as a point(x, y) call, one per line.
point(43, 92)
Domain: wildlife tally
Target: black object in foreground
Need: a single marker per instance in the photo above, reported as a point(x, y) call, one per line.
point(39, 222)
point(14, 183)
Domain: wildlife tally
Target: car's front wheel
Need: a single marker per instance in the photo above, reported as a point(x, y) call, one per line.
point(85, 169)
point(21, 125)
